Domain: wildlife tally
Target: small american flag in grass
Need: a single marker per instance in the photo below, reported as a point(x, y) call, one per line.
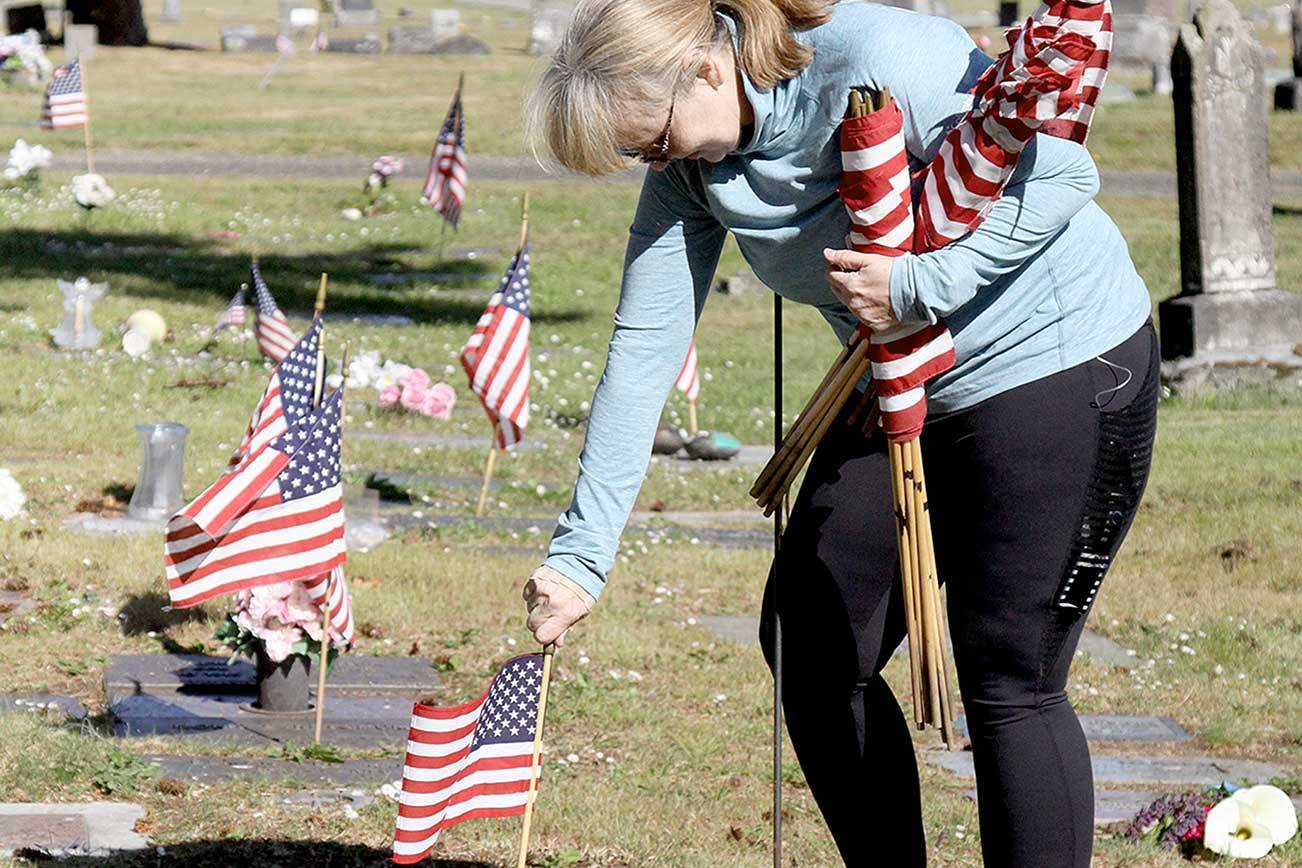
point(65, 102)
point(275, 338)
point(689, 378)
point(496, 356)
point(233, 316)
point(445, 182)
point(474, 760)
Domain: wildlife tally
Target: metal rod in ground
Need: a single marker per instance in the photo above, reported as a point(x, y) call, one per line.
point(777, 590)
point(534, 767)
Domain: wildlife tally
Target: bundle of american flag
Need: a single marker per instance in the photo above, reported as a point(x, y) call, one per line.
point(445, 182)
point(1048, 81)
point(496, 356)
point(275, 338)
point(65, 103)
point(276, 514)
point(474, 760)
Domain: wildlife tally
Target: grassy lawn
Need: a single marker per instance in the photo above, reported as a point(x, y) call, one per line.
point(668, 728)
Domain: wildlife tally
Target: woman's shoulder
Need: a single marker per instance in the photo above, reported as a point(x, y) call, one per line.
point(870, 36)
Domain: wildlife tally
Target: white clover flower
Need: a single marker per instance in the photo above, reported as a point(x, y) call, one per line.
point(11, 496)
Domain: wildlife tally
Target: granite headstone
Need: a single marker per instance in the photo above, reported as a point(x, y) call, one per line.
point(411, 40)
point(171, 11)
point(355, 13)
point(79, 41)
point(547, 22)
point(1288, 93)
point(1229, 302)
point(445, 23)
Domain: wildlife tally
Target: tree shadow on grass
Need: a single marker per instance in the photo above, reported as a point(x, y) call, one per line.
point(202, 271)
point(259, 854)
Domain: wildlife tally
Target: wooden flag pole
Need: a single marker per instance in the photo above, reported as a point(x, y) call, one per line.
point(524, 220)
point(85, 128)
point(319, 308)
point(324, 660)
point(691, 415)
point(488, 472)
point(548, 651)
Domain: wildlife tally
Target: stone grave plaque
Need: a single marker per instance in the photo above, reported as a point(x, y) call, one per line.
point(369, 44)
point(445, 23)
point(462, 44)
point(741, 629)
point(251, 44)
point(368, 773)
point(1143, 770)
point(355, 13)
point(1103, 650)
point(79, 40)
point(1229, 300)
point(171, 11)
point(48, 832)
point(411, 40)
point(547, 22)
point(165, 674)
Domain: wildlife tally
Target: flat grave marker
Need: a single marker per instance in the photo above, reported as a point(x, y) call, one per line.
point(94, 829)
point(1119, 727)
point(1143, 770)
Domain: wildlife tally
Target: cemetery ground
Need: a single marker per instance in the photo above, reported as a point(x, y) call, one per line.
point(657, 730)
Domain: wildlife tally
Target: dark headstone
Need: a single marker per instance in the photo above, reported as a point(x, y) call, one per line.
point(369, 44)
point(462, 44)
point(1288, 93)
point(1229, 301)
point(354, 674)
point(20, 19)
point(1008, 13)
point(120, 22)
point(1297, 38)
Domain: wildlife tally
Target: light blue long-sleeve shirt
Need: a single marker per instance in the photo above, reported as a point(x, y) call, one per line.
point(1045, 283)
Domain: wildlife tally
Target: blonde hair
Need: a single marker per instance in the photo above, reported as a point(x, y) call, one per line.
point(619, 56)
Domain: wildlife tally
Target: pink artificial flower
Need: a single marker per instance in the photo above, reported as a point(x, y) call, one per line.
point(415, 378)
point(277, 641)
point(412, 398)
point(268, 602)
point(390, 395)
point(439, 401)
point(299, 608)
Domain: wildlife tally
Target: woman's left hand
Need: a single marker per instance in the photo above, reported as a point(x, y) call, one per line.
point(862, 281)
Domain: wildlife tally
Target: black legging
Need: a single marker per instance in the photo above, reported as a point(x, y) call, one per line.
point(1031, 493)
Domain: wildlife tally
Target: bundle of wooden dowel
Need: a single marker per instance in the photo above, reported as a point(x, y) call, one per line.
point(924, 616)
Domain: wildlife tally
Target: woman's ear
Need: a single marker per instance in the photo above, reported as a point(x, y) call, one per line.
point(711, 70)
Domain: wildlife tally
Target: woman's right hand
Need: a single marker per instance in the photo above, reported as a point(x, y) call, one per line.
point(555, 603)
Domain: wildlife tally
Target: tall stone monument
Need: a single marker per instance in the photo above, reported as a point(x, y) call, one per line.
point(1229, 307)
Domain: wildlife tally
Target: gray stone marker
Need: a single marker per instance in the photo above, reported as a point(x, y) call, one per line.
point(69, 707)
point(461, 44)
point(245, 38)
point(1143, 770)
point(1121, 806)
point(370, 773)
point(171, 11)
point(408, 481)
point(1101, 649)
point(1288, 93)
point(742, 629)
point(445, 23)
point(1118, 727)
point(79, 41)
point(349, 721)
point(412, 40)
point(94, 829)
point(353, 674)
point(449, 441)
point(355, 13)
point(1229, 301)
point(369, 44)
point(547, 22)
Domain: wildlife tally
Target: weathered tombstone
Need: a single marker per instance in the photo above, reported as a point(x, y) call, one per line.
point(244, 37)
point(171, 10)
point(1162, 85)
point(1288, 93)
point(547, 22)
point(411, 40)
point(462, 43)
point(1229, 303)
point(20, 19)
point(79, 40)
point(1007, 13)
point(369, 44)
point(445, 23)
point(355, 13)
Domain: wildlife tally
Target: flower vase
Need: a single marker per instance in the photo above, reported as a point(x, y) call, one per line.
point(283, 686)
point(158, 493)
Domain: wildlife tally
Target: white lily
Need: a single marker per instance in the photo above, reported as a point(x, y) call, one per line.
point(1250, 822)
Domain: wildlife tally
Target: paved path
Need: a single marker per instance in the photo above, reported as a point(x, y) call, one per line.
point(214, 164)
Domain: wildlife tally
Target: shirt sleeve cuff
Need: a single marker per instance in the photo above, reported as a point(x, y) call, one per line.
point(576, 571)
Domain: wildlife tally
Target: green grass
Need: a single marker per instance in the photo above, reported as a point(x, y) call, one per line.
point(688, 785)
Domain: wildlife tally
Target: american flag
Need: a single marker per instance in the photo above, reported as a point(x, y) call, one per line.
point(274, 337)
point(445, 183)
point(496, 356)
point(689, 378)
point(341, 602)
point(233, 316)
point(474, 760)
point(1046, 76)
point(277, 517)
point(288, 398)
point(65, 102)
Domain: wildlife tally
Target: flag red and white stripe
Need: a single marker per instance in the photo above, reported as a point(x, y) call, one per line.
point(689, 378)
point(65, 104)
point(277, 517)
point(341, 602)
point(474, 760)
point(445, 181)
point(496, 355)
point(1046, 82)
point(288, 398)
point(233, 315)
point(275, 338)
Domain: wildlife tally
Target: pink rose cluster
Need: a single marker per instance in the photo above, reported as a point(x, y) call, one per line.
point(280, 615)
point(414, 393)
